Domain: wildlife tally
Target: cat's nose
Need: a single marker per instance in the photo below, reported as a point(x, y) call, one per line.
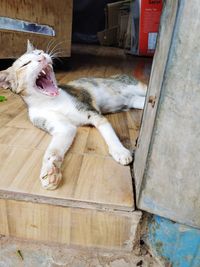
point(42, 58)
point(45, 59)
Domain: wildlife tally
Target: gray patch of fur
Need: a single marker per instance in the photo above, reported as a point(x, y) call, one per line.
point(83, 99)
point(89, 80)
point(42, 124)
point(126, 79)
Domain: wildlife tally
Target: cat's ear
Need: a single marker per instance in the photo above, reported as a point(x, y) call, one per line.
point(4, 79)
point(7, 80)
point(30, 47)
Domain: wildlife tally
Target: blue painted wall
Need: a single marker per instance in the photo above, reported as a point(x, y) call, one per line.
point(176, 244)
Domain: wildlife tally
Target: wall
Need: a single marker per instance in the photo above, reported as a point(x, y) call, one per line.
point(170, 182)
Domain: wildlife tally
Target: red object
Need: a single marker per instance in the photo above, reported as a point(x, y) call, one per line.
point(150, 12)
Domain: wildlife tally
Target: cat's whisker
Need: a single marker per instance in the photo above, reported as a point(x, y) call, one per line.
point(55, 52)
point(53, 46)
point(56, 47)
point(56, 55)
point(58, 51)
point(47, 48)
point(50, 44)
point(53, 43)
point(58, 59)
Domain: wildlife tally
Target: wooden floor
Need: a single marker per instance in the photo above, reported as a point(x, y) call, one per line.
point(91, 178)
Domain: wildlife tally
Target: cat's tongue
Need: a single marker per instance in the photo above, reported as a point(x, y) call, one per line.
point(47, 86)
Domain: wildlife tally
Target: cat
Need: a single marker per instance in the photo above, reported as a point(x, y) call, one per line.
point(59, 110)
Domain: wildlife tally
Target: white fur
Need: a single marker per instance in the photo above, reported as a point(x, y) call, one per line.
point(59, 115)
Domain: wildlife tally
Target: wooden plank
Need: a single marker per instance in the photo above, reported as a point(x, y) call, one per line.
point(134, 119)
point(14, 105)
point(21, 120)
point(70, 226)
point(97, 182)
point(18, 166)
point(76, 74)
point(19, 137)
point(80, 141)
point(4, 226)
point(87, 179)
point(95, 143)
point(13, 44)
point(88, 160)
point(21, 155)
point(120, 125)
point(5, 118)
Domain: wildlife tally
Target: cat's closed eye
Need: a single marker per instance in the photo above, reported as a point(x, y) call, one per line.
point(25, 64)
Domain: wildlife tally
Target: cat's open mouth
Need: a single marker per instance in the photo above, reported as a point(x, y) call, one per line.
point(45, 82)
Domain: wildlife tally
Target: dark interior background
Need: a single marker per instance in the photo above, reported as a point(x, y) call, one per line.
point(88, 19)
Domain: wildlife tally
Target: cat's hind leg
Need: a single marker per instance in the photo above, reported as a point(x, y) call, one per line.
point(63, 136)
point(139, 90)
point(136, 102)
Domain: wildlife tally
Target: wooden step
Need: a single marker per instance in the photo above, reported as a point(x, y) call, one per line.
point(67, 225)
point(91, 176)
point(94, 204)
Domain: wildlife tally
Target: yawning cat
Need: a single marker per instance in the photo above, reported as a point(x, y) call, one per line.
point(59, 110)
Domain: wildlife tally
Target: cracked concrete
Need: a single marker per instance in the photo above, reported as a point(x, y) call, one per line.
point(17, 253)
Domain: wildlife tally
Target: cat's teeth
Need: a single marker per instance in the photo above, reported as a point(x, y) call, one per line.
point(43, 72)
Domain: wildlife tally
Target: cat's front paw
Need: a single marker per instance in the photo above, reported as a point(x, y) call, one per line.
point(121, 155)
point(51, 175)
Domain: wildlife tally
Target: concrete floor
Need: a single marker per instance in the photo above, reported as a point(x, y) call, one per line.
point(17, 253)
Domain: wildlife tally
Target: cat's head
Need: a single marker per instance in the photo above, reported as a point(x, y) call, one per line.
point(31, 73)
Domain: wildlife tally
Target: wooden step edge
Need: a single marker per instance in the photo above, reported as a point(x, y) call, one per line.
point(4, 194)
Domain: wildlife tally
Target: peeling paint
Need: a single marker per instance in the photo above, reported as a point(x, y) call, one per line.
point(175, 244)
point(25, 26)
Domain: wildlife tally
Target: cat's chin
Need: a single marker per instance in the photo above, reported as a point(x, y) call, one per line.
point(45, 83)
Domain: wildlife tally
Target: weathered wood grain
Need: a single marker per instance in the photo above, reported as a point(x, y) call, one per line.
point(58, 16)
point(90, 176)
point(69, 226)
